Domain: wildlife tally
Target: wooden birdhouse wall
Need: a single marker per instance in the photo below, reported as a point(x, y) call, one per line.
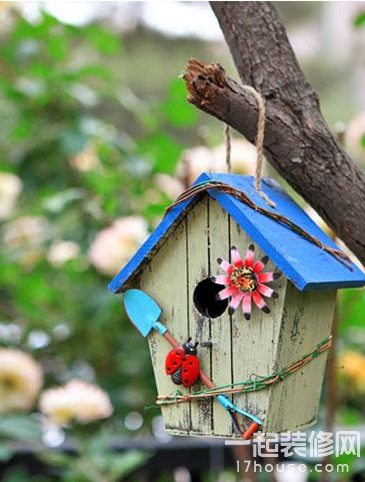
point(240, 349)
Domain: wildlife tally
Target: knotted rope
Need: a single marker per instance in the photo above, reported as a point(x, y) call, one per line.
point(280, 218)
point(227, 135)
point(259, 383)
point(259, 143)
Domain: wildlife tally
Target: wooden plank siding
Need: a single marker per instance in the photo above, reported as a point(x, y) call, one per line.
point(254, 341)
point(306, 321)
point(165, 279)
point(240, 349)
point(222, 367)
point(199, 325)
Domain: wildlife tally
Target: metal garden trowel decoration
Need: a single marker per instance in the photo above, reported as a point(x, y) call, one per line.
point(144, 313)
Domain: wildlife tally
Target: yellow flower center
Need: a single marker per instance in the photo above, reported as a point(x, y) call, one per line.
point(7, 383)
point(244, 279)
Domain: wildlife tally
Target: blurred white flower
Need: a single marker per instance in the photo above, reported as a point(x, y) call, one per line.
point(24, 237)
point(353, 136)
point(77, 400)
point(133, 421)
point(61, 332)
point(21, 379)
point(181, 474)
point(85, 160)
point(26, 230)
point(62, 251)
point(114, 245)
point(291, 473)
point(53, 435)
point(11, 332)
point(200, 159)
point(10, 188)
point(38, 339)
point(171, 186)
point(159, 430)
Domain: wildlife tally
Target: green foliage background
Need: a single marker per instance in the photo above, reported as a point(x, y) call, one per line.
point(63, 88)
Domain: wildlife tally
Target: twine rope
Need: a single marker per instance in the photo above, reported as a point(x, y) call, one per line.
point(259, 143)
point(280, 218)
point(254, 384)
point(227, 135)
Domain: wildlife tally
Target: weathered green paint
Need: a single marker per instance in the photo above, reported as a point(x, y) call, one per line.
point(240, 349)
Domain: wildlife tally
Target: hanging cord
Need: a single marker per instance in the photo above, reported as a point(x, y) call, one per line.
point(259, 143)
point(240, 195)
point(227, 135)
point(251, 385)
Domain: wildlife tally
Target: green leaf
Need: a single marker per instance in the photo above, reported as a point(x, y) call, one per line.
point(106, 42)
point(119, 466)
point(15, 474)
point(92, 70)
point(163, 151)
point(5, 452)
point(59, 201)
point(57, 47)
point(20, 427)
point(176, 108)
point(359, 20)
point(363, 140)
point(22, 130)
point(55, 458)
point(38, 69)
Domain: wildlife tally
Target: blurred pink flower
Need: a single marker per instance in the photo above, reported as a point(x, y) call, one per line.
point(200, 159)
point(77, 400)
point(354, 134)
point(114, 245)
point(85, 160)
point(21, 379)
point(171, 186)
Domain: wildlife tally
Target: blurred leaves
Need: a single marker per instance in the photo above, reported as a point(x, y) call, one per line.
point(96, 461)
point(176, 108)
point(359, 20)
point(107, 43)
point(86, 148)
point(163, 152)
point(67, 130)
point(20, 427)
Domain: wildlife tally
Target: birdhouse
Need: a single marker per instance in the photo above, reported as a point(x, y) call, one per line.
point(262, 313)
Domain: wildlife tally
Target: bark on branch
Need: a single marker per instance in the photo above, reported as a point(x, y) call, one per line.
point(298, 142)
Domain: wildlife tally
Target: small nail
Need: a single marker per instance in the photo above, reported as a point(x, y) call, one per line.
point(206, 344)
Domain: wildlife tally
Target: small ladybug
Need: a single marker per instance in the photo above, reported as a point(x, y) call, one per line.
point(183, 364)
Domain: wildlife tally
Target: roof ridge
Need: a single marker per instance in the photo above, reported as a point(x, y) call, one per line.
point(297, 258)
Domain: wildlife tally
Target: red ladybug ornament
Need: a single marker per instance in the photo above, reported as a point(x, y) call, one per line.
point(183, 364)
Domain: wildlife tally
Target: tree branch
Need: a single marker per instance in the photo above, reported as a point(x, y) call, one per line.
point(298, 142)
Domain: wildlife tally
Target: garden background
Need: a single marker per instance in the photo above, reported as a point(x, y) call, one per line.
point(96, 139)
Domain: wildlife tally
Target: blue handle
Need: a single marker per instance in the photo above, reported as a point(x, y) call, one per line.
point(228, 405)
point(160, 327)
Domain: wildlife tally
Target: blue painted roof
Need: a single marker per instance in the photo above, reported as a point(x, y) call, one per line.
point(305, 264)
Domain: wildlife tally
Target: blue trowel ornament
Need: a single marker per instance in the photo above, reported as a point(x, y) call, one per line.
point(144, 313)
